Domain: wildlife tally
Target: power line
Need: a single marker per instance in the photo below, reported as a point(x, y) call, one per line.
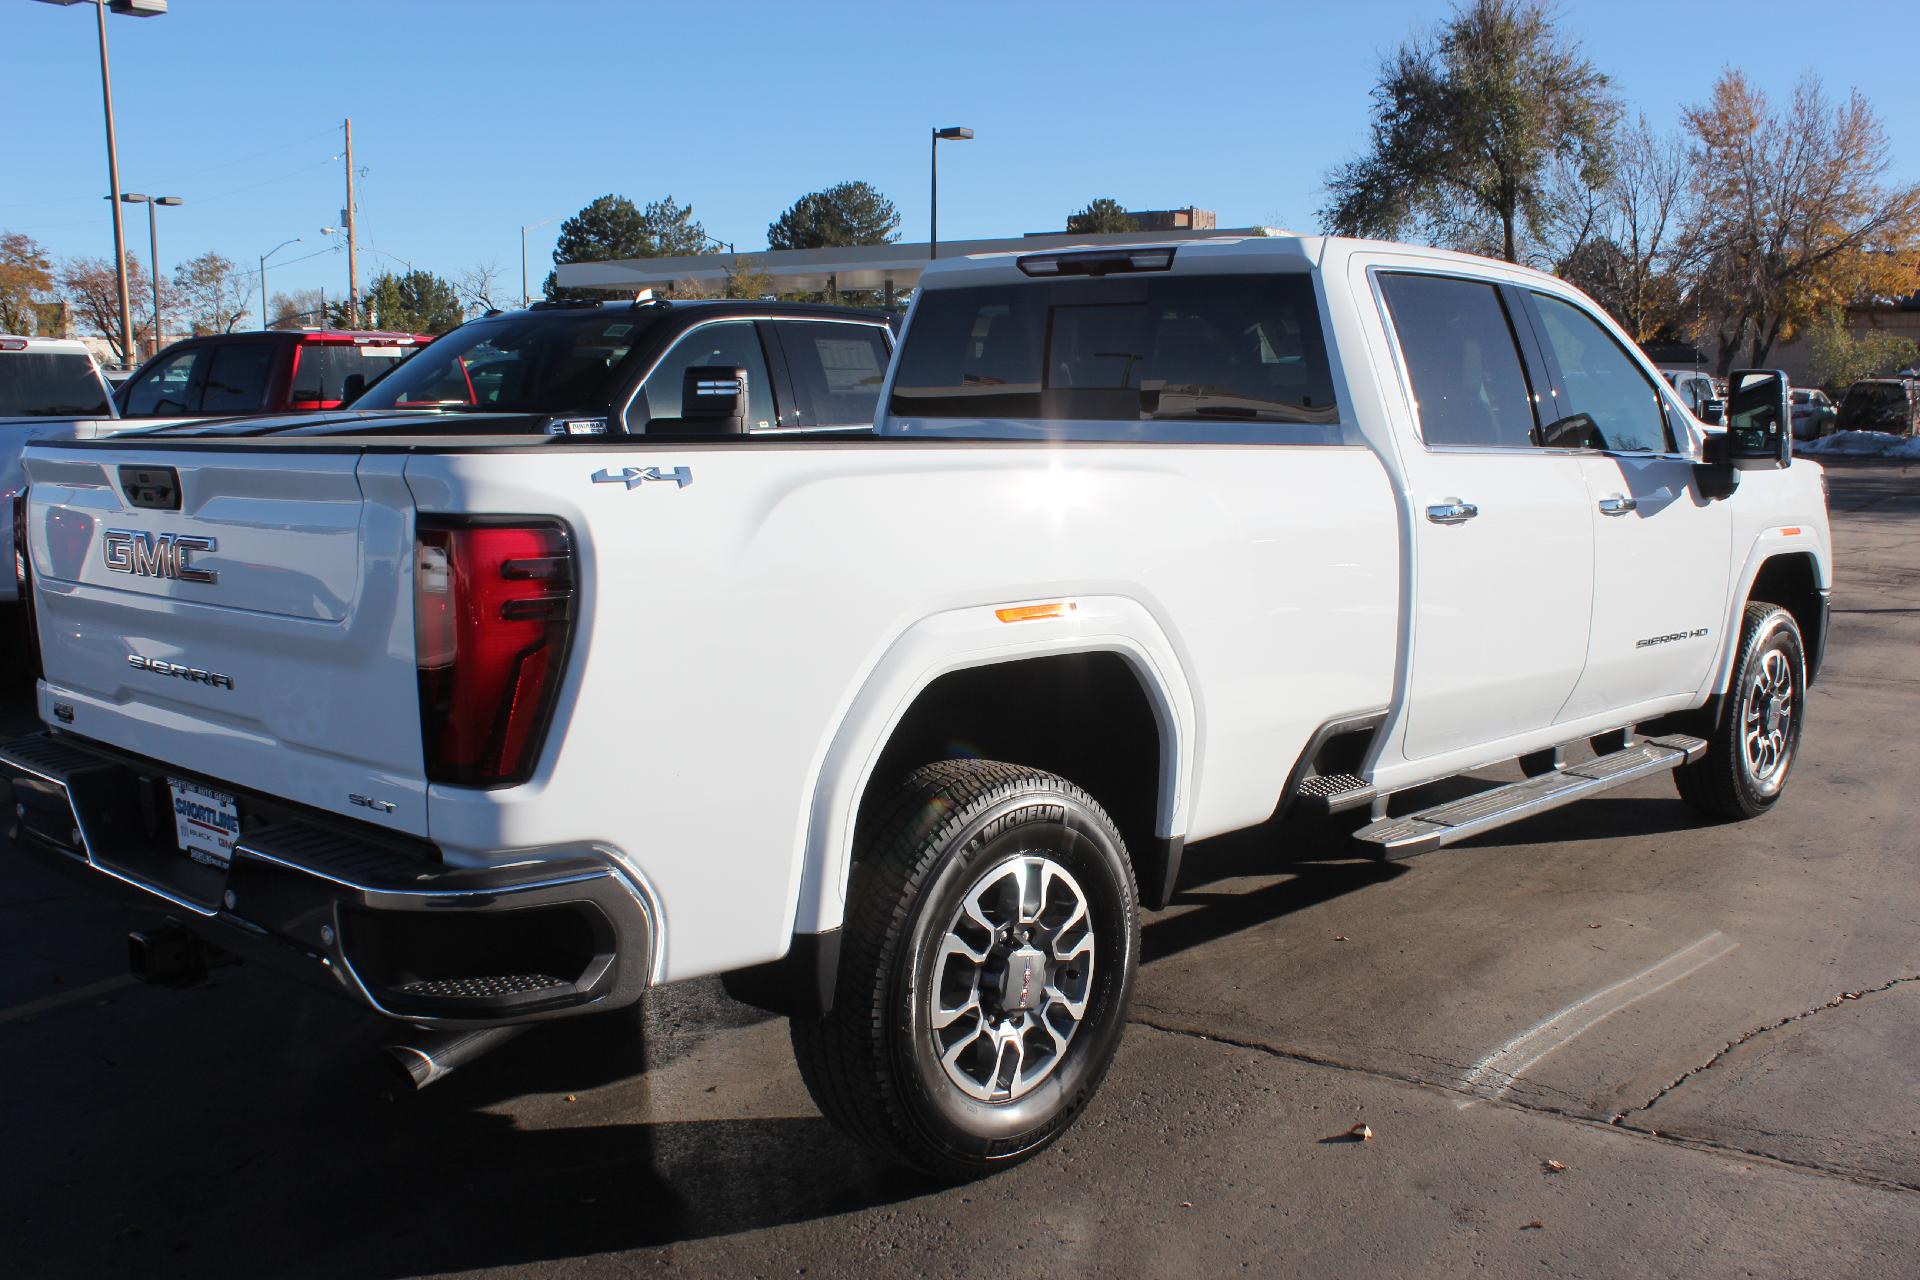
point(176, 179)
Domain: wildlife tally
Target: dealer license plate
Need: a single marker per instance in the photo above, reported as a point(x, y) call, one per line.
point(205, 822)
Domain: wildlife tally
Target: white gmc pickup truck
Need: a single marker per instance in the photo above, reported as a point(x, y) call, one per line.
point(900, 732)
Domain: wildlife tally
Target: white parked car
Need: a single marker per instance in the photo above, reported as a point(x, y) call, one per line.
point(901, 732)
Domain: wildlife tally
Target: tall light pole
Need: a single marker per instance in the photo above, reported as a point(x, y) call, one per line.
point(153, 249)
point(263, 276)
point(523, 251)
point(952, 133)
point(137, 9)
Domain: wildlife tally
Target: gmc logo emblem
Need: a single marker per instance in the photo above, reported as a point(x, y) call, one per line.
point(146, 556)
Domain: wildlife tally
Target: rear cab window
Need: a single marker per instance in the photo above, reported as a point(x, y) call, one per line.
point(1199, 357)
point(321, 369)
point(49, 383)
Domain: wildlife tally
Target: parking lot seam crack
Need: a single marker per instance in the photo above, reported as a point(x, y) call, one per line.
point(1614, 1125)
point(1836, 1002)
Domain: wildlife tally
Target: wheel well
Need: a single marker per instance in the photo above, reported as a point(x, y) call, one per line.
point(1084, 716)
point(1792, 582)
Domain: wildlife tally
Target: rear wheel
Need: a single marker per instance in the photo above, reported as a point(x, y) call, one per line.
point(1751, 750)
point(991, 940)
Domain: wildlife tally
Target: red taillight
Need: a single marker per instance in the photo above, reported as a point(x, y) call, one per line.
point(493, 612)
point(23, 578)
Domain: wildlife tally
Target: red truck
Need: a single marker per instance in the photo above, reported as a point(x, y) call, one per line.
point(226, 374)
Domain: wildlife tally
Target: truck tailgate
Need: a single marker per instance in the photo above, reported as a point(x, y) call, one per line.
point(250, 624)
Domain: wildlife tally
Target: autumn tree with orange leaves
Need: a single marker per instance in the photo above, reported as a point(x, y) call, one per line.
point(1791, 214)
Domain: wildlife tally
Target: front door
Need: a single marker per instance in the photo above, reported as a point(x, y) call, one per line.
point(1660, 550)
point(1503, 543)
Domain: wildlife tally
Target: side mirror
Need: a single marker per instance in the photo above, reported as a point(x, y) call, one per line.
point(1759, 414)
point(1713, 410)
point(713, 401)
point(350, 389)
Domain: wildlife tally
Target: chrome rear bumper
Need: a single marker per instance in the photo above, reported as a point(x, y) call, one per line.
point(361, 916)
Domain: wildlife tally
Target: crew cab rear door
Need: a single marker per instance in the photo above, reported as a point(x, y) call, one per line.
point(1502, 571)
point(236, 612)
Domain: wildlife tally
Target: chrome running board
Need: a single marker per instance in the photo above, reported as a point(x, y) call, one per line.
point(1444, 824)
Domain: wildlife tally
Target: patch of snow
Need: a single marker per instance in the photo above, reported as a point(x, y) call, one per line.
point(1862, 444)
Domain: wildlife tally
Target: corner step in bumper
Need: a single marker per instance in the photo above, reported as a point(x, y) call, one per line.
point(1445, 824)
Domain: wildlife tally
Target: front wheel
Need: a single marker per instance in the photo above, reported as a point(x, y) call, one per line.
point(992, 935)
point(1750, 751)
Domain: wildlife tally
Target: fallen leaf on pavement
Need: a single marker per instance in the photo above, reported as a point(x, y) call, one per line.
point(1341, 937)
point(571, 1098)
point(1535, 1225)
point(1849, 995)
point(1554, 1166)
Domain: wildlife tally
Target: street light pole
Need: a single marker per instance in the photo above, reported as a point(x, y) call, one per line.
point(137, 9)
point(953, 133)
point(523, 251)
point(263, 276)
point(153, 250)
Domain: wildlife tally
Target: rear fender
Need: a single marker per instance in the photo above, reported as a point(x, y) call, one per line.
point(972, 637)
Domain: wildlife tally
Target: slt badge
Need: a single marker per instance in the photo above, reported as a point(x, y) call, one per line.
point(634, 477)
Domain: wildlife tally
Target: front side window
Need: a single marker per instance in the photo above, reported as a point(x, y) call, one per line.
point(1192, 348)
point(732, 344)
point(836, 369)
point(237, 378)
point(168, 385)
point(1469, 388)
point(1602, 382)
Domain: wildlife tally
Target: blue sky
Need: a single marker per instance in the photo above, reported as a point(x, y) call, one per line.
point(472, 117)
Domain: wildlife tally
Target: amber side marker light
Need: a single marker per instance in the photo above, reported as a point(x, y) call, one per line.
point(1791, 531)
point(1031, 612)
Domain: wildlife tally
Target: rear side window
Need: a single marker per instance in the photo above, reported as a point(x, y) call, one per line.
point(1602, 381)
point(1468, 384)
point(237, 377)
point(169, 385)
point(34, 383)
point(320, 378)
point(836, 369)
point(1196, 348)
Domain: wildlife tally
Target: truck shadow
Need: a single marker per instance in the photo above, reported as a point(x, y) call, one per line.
point(237, 1131)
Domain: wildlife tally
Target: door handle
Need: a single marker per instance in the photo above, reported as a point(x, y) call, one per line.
point(1617, 505)
point(1452, 511)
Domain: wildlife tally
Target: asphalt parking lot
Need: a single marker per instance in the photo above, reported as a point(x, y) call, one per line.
point(1611, 1041)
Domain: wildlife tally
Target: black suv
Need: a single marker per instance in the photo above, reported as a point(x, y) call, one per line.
point(1879, 404)
point(611, 368)
point(623, 367)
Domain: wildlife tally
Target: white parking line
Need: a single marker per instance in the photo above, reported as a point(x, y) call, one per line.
point(1496, 1073)
point(78, 994)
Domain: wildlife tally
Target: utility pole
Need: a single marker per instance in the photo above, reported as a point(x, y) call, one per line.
point(353, 258)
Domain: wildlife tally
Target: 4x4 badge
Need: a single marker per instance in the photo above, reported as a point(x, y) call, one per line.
point(634, 477)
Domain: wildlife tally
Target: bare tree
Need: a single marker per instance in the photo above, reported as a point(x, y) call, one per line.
point(1793, 215)
point(93, 288)
point(1622, 240)
point(212, 292)
point(299, 308)
point(481, 288)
